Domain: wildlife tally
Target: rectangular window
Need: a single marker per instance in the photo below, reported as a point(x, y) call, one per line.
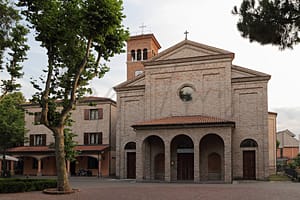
point(92, 138)
point(37, 117)
point(93, 114)
point(38, 140)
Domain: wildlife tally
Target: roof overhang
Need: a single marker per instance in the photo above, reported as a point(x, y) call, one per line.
point(47, 149)
point(180, 122)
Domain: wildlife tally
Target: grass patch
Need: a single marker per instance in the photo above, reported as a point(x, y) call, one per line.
point(279, 177)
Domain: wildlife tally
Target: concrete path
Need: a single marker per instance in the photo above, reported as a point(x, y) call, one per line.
point(93, 188)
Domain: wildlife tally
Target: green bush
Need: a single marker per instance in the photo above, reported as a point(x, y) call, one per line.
point(25, 185)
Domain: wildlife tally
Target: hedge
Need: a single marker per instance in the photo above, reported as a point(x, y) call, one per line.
point(25, 185)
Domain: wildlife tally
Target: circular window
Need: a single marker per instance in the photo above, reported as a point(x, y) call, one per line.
point(186, 93)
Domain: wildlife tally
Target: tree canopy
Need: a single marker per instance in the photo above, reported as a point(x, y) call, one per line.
point(12, 124)
point(13, 47)
point(275, 22)
point(80, 36)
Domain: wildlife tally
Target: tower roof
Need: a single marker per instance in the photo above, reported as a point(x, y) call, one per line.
point(145, 36)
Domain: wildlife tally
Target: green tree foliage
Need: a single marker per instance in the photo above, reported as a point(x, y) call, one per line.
point(79, 36)
point(12, 125)
point(13, 47)
point(275, 22)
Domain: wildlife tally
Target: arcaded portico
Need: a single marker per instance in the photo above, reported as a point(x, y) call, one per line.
point(189, 114)
point(196, 152)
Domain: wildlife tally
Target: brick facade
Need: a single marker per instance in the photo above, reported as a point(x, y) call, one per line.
point(219, 89)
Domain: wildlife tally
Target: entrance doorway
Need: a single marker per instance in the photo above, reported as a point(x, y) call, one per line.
point(159, 166)
point(131, 165)
point(249, 165)
point(214, 166)
point(185, 166)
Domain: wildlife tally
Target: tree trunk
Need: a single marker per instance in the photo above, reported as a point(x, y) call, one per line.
point(62, 175)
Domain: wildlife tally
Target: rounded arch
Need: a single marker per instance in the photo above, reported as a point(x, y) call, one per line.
point(154, 158)
point(154, 138)
point(182, 158)
point(212, 157)
point(214, 137)
point(248, 143)
point(182, 141)
point(130, 146)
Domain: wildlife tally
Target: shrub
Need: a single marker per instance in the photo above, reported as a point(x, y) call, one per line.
point(25, 185)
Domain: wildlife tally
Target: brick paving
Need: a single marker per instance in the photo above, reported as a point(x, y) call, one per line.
point(92, 188)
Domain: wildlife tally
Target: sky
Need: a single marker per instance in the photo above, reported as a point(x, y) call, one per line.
point(209, 22)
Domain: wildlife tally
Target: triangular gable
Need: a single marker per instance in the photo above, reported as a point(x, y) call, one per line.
point(136, 82)
point(241, 72)
point(187, 49)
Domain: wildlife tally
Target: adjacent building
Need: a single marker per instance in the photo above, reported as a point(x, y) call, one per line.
point(94, 124)
point(189, 114)
point(288, 145)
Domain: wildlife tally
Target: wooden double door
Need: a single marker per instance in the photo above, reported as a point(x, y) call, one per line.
point(185, 166)
point(249, 165)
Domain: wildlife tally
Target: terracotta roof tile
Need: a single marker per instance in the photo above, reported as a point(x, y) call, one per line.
point(30, 149)
point(91, 147)
point(184, 120)
point(47, 149)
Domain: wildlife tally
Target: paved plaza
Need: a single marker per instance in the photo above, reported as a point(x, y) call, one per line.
point(93, 188)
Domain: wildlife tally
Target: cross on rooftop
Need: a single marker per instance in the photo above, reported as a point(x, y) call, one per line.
point(142, 27)
point(186, 33)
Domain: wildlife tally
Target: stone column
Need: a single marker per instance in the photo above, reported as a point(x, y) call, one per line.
point(39, 170)
point(139, 160)
point(227, 160)
point(167, 161)
point(196, 162)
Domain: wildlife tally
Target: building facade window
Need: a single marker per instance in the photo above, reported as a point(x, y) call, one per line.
point(37, 140)
point(145, 54)
point(139, 54)
point(92, 138)
point(37, 117)
point(133, 57)
point(248, 143)
point(186, 93)
point(93, 114)
point(138, 72)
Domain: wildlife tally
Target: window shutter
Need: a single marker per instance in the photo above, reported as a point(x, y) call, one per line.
point(31, 140)
point(44, 140)
point(100, 138)
point(86, 114)
point(85, 139)
point(100, 113)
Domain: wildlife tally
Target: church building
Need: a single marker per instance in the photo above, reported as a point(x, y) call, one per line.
point(189, 114)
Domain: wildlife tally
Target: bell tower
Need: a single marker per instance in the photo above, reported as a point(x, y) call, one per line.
point(140, 48)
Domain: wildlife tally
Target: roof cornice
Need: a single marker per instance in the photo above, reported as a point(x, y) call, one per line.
point(189, 59)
